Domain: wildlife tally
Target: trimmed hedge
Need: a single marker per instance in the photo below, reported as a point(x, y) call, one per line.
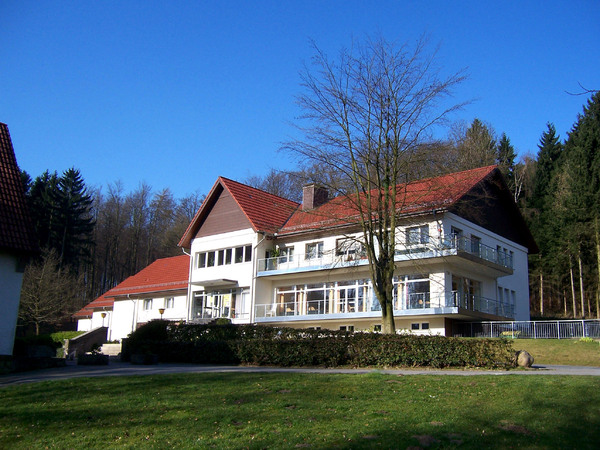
point(286, 347)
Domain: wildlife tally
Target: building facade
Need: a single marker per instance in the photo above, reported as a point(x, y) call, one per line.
point(253, 257)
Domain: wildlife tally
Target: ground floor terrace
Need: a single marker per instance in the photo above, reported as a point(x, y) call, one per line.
point(418, 299)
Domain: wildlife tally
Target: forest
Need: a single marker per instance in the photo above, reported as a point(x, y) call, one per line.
point(92, 238)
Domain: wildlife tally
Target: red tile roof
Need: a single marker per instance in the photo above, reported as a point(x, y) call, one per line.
point(412, 198)
point(166, 274)
point(16, 229)
point(101, 303)
point(265, 212)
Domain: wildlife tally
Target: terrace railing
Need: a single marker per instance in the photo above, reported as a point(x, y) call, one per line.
point(538, 329)
point(414, 301)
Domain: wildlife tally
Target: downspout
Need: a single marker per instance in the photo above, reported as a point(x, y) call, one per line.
point(188, 296)
point(110, 318)
point(254, 272)
point(134, 313)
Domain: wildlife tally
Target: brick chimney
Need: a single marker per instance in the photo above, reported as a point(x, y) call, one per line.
point(313, 196)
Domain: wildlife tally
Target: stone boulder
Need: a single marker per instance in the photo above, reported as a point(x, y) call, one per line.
point(524, 359)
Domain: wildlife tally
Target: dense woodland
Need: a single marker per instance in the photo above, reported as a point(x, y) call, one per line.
point(94, 238)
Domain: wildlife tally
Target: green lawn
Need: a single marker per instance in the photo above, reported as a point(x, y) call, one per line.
point(572, 352)
point(271, 410)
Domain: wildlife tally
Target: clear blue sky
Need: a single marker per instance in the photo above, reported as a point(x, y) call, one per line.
point(176, 93)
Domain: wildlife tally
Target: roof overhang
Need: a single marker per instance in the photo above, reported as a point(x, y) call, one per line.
point(217, 282)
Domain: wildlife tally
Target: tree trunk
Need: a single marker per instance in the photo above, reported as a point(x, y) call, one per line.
point(388, 325)
point(541, 292)
point(572, 287)
point(565, 301)
point(581, 286)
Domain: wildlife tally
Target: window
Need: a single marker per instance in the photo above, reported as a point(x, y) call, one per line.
point(210, 259)
point(228, 253)
point(456, 235)
point(414, 326)
point(425, 326)
point(220, 257)
point(417, 235)
point(475, 244)
point(283, 254)
point(248, 253)
point(349, 249)
point(201, 260)
point(314, 250)
point(169, 303)
point(377, 328)
point(349, 328)
point(239, 254)
point(147, 304)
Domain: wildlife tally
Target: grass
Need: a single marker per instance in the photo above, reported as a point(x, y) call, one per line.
point(572, 352)
point(273, 410)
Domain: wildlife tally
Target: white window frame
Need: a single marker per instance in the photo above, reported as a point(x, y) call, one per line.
point(314, 250)
point(418, 235)
point(147, 304)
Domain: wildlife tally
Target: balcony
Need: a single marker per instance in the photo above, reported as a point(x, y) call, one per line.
point(467, 249)
point(413, 304)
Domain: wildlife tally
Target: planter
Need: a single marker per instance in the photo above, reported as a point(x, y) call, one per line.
point(144, 358)
point(92, 359)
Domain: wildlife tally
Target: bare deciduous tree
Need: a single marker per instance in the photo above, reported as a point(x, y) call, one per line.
point(367, 114)
point(49, 294)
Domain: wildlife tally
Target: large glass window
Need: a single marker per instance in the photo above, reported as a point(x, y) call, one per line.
point(412, 291)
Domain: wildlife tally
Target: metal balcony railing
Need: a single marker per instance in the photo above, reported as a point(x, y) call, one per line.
point(413, 301)
point(433, 248)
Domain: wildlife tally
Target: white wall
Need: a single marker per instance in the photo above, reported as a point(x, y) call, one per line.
point(10, 293)
point(128, 313)
point(518, 281)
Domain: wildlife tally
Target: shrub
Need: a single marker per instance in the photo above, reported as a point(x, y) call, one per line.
point(261, 345)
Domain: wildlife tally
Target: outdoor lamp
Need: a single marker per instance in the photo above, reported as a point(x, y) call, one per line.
point(161, 311)
point(103, 317)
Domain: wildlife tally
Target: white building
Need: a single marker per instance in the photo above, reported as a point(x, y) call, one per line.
point(158, 291)
point(461, 256)
point(17, 240)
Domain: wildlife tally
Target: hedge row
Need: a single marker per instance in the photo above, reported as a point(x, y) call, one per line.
point(286, 347)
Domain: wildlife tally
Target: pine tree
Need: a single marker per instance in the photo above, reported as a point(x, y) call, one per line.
point(73, 224)
point(506, 160)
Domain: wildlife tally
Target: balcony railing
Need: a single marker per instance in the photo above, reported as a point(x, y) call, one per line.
point(434, 248)
point(414, 301)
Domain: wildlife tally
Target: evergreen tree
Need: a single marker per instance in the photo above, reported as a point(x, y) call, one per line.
point(582, 213)
point(506, 160)
point(550, 150)
point(73, 224)
point(40, 194)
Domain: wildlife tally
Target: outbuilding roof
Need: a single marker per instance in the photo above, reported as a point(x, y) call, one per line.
point(163, 275)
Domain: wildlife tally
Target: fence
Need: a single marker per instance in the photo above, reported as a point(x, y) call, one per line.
point(546, 329)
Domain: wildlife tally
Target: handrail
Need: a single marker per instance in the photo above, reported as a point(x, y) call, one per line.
point(418, 300)
point(331, 259)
